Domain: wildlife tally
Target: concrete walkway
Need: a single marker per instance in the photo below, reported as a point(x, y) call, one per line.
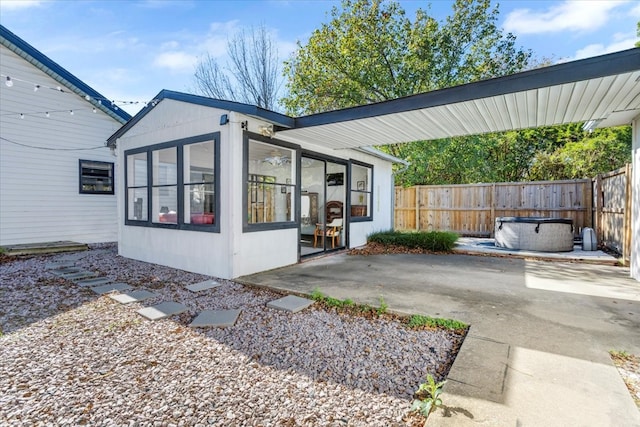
point(537, 350)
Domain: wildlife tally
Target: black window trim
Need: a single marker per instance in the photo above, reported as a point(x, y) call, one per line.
point(80, 175)
point(266, 226)
point(369, 216)
point(179, 144)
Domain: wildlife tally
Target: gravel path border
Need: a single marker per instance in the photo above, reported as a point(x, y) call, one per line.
point(70, 357)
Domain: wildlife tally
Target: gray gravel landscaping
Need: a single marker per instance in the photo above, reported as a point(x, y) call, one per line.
point(71, 357)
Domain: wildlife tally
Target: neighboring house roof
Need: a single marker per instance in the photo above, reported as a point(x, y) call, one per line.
point(59, 74)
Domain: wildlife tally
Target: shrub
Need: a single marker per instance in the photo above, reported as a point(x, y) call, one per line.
point(435, 241)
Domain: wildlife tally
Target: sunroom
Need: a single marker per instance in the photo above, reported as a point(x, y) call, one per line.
point(208, 186)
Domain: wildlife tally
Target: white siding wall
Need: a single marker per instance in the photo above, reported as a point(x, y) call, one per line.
point(635, 202)
point(200, 252)
point(232, 252)
point(39, 197)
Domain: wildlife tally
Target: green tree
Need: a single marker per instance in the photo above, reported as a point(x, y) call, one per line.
point(586, 156)
point(370, 51)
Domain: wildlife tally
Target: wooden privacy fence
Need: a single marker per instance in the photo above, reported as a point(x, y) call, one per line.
point(471, 210)
point(612, 210)
point(603, 203)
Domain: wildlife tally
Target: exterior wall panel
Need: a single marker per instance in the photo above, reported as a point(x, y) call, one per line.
point(39, 197)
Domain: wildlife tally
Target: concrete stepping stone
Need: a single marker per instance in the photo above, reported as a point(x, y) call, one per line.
point(133, 296)
point(290, 303)
point(58, 265)
point(105, 289)
point(203, 286)
point(94, 282)
point(162, 310)
point(80, 275)
point(66, 271)
point(216, 318)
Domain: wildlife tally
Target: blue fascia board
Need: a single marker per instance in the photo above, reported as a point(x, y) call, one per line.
point(568, 72)
point(57, 72)
point(281, 120)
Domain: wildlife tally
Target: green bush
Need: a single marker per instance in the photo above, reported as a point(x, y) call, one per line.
point(436, 241)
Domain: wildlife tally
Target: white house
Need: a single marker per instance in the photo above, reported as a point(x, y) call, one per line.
point(56, 172)
point(229, 189)
point(209, 186)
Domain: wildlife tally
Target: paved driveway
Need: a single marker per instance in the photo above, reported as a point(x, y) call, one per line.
point(537, 351)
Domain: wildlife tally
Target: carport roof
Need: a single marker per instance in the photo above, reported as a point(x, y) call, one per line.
point(603, 88)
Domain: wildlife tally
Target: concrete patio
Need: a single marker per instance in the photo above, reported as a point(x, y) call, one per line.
point(537, 350)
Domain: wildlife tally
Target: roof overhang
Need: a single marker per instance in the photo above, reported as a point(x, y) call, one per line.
point(604, 88)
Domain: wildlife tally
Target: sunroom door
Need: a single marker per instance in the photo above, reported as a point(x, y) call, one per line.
point(322, 201)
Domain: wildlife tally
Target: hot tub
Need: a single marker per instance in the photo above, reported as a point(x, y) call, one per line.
point(534, 233)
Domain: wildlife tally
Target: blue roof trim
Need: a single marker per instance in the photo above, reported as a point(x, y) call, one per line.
point(278, 119)
point(64, 77)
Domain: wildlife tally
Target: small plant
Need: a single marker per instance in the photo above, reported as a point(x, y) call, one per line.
point(622, 354)
point(428, 397)
point(316, 295)
point(418, 321)
point(383, 306)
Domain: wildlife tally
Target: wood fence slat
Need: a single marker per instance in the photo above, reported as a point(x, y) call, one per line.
point(601, 203)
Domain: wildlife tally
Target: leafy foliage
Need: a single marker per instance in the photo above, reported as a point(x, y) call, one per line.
point(428, 397)
point(546, 153)
point(371, 51)
point(436, 241)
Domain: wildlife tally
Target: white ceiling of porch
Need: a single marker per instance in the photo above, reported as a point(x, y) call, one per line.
point(615, 99)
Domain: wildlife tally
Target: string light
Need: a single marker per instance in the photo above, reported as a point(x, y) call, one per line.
point(9, 81)
point(97, 101)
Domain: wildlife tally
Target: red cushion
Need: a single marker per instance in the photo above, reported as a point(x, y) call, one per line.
point(203, 218)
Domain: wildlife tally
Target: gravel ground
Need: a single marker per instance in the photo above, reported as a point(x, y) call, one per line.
point(69, 357)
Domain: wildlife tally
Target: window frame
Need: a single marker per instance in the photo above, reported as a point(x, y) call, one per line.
point(81, 175)
point(180, 197)
point(369, 216)
point(295, 194)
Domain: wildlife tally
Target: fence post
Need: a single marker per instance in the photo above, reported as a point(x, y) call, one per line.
point(597, 222)
point(417, 199)
point(493, 210)
point(626, 242)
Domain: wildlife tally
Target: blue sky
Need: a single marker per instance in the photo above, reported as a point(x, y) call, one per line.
point(130, 50)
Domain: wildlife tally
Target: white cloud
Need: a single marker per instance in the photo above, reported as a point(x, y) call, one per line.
point(601, 49)
point(19, 4)
point(176, 61)
point(566, 16)
point(635, 12)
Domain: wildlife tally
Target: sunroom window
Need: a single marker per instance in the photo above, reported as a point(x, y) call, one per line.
point(174, 184)
point(199, 201)
point(137, 190)
point(361, 194)
point(270, 185)
point(165, 185)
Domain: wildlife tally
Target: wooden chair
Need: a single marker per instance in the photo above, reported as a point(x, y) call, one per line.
point(331, 230)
